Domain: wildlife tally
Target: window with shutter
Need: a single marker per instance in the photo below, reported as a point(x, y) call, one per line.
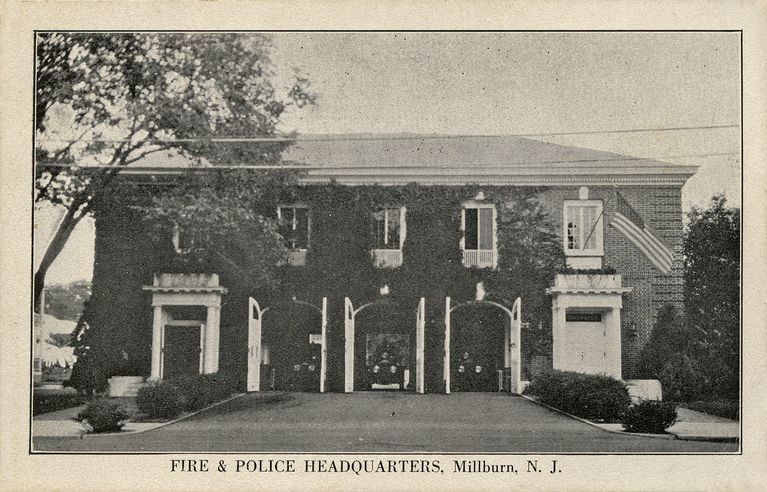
point(479, 243)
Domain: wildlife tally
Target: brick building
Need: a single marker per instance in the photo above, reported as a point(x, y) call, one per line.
point(618, 221)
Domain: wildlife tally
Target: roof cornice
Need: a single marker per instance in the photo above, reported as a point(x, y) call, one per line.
point(485, 176)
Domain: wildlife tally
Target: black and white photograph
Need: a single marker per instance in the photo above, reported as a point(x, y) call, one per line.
point(452, 242)
point(280, 253)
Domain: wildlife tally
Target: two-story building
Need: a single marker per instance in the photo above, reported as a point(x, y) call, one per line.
point(430, 263)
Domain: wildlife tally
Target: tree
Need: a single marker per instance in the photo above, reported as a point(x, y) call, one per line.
point(65, 301)
point(712, 292)
point(111, 100)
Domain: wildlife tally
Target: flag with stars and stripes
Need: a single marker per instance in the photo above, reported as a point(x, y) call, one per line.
point(629, 223)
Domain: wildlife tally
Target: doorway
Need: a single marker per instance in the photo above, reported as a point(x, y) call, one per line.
point(182, 351)
point(293, 342)
point(477, 348)
point(384, 352)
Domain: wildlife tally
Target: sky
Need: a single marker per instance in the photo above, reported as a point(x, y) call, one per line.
point(510, 83)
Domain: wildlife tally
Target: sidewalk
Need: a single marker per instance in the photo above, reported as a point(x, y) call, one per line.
point(694, 426)
point(63, 423)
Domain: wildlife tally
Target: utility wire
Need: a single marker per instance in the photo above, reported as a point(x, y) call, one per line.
point(396, 137)
point(378, 166)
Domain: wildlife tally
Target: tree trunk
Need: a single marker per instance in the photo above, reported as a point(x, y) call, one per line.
point(57, 243)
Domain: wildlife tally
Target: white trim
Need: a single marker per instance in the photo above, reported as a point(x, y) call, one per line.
point(598, 229)
point(471, 257)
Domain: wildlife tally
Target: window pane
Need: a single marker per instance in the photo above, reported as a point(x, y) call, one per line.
point(301, 233)
point(573, 228)
point(486, 228)
point(393, 239)
point(470, 235)
point(378, 225)
point(589, 231)
point(286, 225)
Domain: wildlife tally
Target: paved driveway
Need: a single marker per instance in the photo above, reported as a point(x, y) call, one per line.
point(379, 422)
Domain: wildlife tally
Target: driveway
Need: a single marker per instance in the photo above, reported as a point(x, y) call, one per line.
point(388, 422)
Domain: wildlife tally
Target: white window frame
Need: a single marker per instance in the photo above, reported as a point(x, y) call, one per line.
point(308, 222)
point(402, 226)
point(177, 240)
point(383, 257)
point(480, 205)
point(598, 250)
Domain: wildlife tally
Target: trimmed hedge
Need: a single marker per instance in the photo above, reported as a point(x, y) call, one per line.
point(103, 415)
point(42, 403)
point(592, 397)
point(169, 398)
point(652, 417)
point(163, 401)
point(200, 391)
point(721, 408)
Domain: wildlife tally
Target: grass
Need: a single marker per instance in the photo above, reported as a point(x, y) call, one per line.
point(729, 409)
point(52, 401)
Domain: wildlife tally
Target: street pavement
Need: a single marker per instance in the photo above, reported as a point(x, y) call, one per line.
point(389, 422)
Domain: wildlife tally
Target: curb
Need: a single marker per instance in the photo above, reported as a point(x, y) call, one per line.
point(592, 424)
point(163, 424)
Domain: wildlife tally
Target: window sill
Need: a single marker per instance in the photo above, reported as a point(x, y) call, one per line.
point(297, 257)
point(585, 252)
point(387, 258)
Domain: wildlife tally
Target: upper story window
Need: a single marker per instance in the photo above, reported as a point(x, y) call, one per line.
point(389, 231)
point(583, 228)
point(479, 229)
point(295, 228)
point(183, 240)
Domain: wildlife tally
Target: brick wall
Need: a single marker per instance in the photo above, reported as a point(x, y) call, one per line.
point(661, 209)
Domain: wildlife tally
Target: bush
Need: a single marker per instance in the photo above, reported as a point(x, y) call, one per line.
point(722, 408)
point(103, 416)
point(681, 378)
point(652, 417)
point(162, 401)
point(200, 391)
point(593, 397)
point(42, 403)
point(169, 398)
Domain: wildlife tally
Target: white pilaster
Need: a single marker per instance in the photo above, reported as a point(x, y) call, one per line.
point(613, 342)
point(559, 336)
point(156, 343)
point(210, 344)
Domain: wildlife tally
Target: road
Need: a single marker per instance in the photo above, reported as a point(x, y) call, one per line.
point(388, 422)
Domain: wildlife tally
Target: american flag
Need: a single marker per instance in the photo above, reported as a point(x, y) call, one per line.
point(629, 223)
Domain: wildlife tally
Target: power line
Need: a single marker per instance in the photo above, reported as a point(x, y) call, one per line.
point(378, 166)
point(396, 137)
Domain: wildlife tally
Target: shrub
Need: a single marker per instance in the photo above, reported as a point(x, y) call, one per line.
point(722, 408)
point(42, 403)
point(681, 378)
point(160, 401)
point(200, 391)
point(593, 397)
point(652, 417)
point(103, 416)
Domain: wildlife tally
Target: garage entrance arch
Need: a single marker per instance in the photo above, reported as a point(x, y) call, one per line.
point(255, 347)
point(350, 314)
point(511, 344)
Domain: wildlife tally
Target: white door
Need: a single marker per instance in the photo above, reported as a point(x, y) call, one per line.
point(586, 347)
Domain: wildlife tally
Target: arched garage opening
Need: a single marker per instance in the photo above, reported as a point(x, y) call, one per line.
point(287, 346)
point(482, 346)
point(384, 344)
